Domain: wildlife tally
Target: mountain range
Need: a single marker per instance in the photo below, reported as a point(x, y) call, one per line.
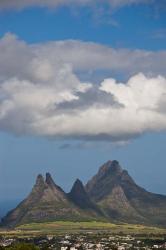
point(111, 195)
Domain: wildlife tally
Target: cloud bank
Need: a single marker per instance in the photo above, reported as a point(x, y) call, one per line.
point(19, 4)
point(80, 56)
point(41, 93)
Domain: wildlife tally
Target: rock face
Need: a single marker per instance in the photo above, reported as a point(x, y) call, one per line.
point(115, 192)
point(47, 202)
point(111, 195)
point(80, 197)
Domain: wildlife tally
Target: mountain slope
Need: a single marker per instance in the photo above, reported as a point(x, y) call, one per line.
point(46, 202)
point(111, 195)
point(122, 199)
point(79, 197)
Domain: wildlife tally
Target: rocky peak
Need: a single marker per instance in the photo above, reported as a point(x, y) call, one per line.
point(104, 168)
point(111, 195)
point(108, 176)
point(110, 167)
point(39, 181)
point(49, 180)
point(78, 188)
point(125, 177)
point(79, 196)
point(115, 167)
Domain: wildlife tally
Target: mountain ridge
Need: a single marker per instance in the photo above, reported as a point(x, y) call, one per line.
point(110, 195)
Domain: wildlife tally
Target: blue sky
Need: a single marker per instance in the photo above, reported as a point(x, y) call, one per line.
point(131, 27)
point(137, 33)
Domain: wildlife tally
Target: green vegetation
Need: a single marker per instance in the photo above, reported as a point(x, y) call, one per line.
point(67, 226)
point(21, 246)
point(62, 227)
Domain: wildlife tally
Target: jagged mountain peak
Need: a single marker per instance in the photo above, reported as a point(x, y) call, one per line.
point(115, 167)
point(39, 180)
point(78, 190)
point(111, 194)
point(49, 180)
point(109, 170)
point(80, 197)
point(47, 202)
point(104, 168)
point(39, 185)
point(110, 167)
point(77, 185)
point(109, 175)
point(125, 177)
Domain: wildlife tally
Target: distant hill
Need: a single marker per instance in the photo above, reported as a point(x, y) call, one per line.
point(111, 195)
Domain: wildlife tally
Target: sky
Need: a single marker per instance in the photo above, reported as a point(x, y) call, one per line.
point(81, 83)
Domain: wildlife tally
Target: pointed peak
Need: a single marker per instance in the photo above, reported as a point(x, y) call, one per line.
point(49, 179)
point(78, 185)
point(105, 167)
point(50, 182)
point(110, 167)
point(48, 175)
point(78, 182)
point(39, 180)
point(114, 162)
point(79, 196)
point(77, 189)
point(115, 167)
point(126, 177)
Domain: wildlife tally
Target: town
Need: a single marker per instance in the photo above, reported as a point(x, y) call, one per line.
point(86, 240)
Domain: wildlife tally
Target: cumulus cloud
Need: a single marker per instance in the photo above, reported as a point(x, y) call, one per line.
point(88, 55)
point(38, 62)
point(19, 4)
point(41, 94)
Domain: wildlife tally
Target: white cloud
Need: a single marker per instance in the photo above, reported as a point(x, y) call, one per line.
point(33, 109)
point(78, 55)
point(86, 55)
point(40, 93)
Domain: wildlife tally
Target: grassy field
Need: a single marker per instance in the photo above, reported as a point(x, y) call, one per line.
point(60, 227)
